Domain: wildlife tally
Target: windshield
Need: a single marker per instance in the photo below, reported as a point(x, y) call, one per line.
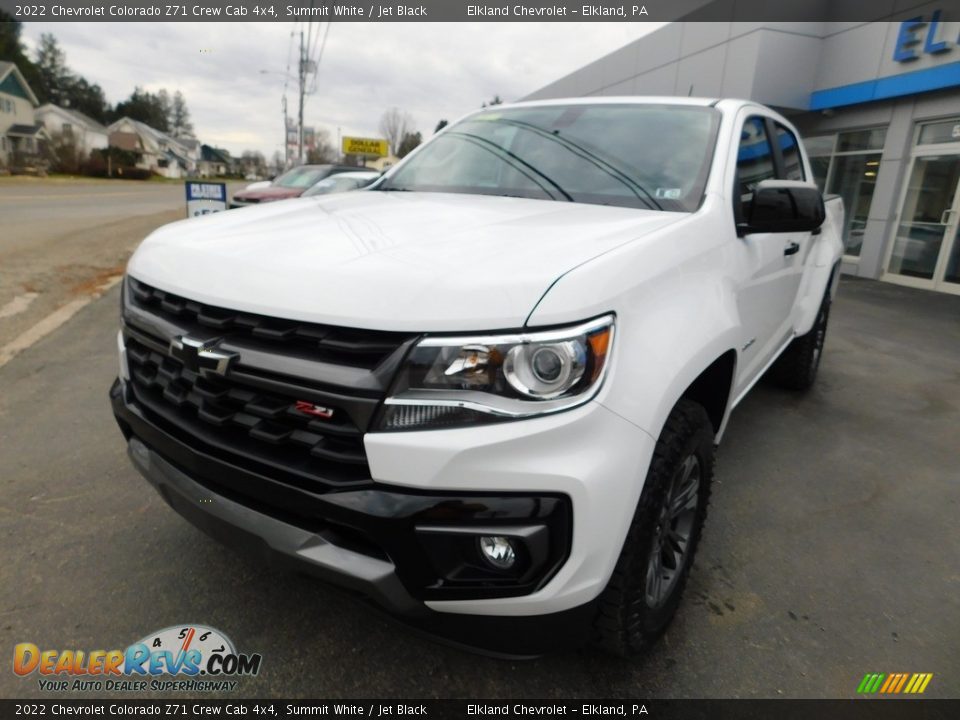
point(301, 177)
point(631, 155)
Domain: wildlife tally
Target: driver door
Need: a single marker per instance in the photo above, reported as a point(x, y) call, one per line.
point(771, 263)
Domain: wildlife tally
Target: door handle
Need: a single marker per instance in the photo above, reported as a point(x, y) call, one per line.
point(945, 216)
point(792, 248)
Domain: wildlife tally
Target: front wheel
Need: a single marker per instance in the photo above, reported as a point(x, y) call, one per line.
point(643, 594)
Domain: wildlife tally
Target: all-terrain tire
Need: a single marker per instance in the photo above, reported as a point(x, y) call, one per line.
point(796, 368)
point(630, 616)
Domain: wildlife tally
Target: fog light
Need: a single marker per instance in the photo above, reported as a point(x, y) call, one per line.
point(498, 551)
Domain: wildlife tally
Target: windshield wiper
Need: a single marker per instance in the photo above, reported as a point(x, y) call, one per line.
point(517, 161)
point(597, 159)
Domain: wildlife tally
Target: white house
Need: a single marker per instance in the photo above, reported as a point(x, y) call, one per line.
point(19, 131)
point(192, 148)
point(158, 151)
point(67, 125)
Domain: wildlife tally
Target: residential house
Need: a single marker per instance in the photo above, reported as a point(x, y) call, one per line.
point(158, 152)
point(67, 127)
point(20, 134)
point(215, 162)
point(192, 146)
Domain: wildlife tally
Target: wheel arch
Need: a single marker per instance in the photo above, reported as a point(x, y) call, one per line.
point(711, 389)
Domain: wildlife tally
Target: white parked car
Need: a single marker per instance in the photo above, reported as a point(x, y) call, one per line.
point(485, 392)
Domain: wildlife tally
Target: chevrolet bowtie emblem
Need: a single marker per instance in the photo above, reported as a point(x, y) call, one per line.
point(201, 356)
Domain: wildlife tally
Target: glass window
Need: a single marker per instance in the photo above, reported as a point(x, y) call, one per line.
point(754, 161)
point(939, 132)
point(790, 150)
point(820, 167)
point(861, 140)
point(854, 179)
point(631, 155)
point(301, 177)
point(819, 145)
point(849, 171)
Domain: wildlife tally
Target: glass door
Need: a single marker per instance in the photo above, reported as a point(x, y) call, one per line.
point(949, 272)
point(926, 234)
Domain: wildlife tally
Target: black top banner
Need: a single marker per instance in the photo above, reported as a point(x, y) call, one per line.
point(468, 10)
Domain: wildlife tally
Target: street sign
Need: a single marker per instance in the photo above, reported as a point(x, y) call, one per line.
point(204, 198)
point(370, 147)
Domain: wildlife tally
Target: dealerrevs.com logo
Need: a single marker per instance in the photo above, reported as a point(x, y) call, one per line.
point(185, 657)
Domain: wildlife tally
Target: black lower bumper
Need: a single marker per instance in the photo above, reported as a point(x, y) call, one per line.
point(395, 547)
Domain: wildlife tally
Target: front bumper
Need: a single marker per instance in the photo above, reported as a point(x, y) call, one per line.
point(339, 536)
point(580, 473)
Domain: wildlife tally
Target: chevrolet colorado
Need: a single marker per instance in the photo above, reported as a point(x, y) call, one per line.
point(485, 392)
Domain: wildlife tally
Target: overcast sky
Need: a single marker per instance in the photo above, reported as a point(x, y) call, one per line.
point(431, 70)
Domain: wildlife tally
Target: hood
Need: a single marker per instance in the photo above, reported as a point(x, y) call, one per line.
point(265, 194)
point(387, 260)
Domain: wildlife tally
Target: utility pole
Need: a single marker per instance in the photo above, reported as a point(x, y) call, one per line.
point(286, 137)
point(303, 80)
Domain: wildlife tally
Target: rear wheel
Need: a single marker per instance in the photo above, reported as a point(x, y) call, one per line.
point(796, 368)
point(651, 573)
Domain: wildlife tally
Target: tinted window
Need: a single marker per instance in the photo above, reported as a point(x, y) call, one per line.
point(790, 150)
point(754, 161)
point(632, 155)
point(301, 177)
point(862, 140)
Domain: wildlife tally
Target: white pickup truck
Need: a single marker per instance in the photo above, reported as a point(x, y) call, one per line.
point(485, 392)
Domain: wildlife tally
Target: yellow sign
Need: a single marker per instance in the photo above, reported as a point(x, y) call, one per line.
point(374, 147)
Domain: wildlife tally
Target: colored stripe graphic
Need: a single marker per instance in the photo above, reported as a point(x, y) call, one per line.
point(894, 683)
point(873, 684)
point(903, 679)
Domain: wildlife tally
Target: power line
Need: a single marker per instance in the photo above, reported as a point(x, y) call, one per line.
point(316, 64)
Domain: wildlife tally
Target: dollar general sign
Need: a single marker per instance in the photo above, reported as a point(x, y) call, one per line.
point(375, 147)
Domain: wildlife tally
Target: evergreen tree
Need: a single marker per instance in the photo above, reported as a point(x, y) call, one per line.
point(12, 50)
point(146, 107)
point(180, 124)
point(55, 78)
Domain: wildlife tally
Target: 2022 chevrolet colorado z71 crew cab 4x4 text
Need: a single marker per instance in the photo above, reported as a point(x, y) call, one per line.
point(485, 392)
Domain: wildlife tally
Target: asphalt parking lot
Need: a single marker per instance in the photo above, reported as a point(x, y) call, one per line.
point(831, 549)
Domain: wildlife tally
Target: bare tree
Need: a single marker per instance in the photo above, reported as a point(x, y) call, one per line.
point(253, 163)
point(395, 124)
point(323, 151)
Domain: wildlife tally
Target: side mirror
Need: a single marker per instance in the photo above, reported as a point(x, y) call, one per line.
point(780, 206)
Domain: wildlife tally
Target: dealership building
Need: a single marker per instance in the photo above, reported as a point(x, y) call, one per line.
point(878, 104)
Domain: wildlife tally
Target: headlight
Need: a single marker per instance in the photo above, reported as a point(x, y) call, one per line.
point(455, 381)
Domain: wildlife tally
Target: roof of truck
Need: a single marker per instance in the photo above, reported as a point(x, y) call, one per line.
point(620, 100)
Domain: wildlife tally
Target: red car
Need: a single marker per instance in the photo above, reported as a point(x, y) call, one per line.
point(291, 184)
